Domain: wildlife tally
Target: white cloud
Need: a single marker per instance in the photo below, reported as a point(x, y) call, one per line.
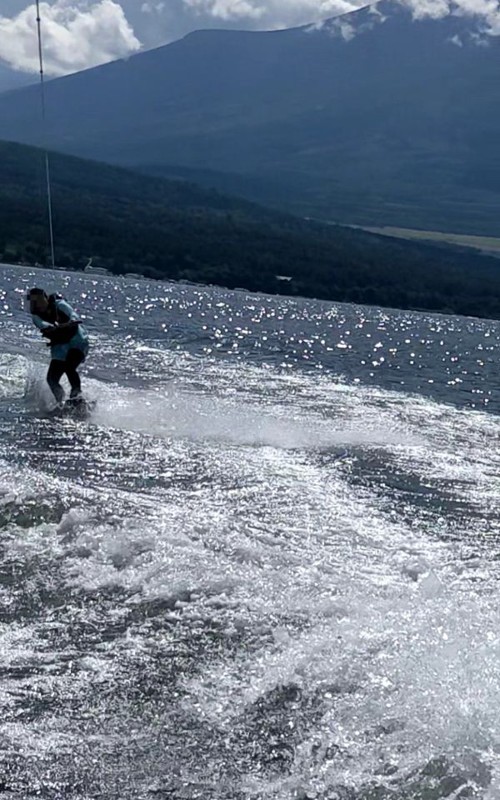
point(76, 35)
point(227, 9)
point(152, 7)
point(485, 12)
point(343, 28)
point(489, 10)
point(272, 13)
point(285, 13)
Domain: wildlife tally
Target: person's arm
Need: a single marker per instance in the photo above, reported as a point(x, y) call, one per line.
point(45, 328)
point(40, 323)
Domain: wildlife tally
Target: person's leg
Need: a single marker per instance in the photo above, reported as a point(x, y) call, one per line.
point(73, 361)
point(54, 375)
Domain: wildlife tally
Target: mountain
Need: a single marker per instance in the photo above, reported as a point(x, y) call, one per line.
point(167, 229)
point(372, 118)
point(10, 79)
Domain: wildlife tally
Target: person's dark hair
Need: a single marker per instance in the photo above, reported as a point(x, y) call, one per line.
point(33, 304)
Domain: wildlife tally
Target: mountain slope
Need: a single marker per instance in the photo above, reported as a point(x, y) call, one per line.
point(372, 118)
point(165, 229)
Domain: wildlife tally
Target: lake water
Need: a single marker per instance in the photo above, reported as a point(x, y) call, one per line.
point(266, 567)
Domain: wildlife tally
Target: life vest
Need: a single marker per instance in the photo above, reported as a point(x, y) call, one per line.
point(54, 315)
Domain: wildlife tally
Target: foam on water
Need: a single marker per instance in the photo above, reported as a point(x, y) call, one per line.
point(13, 371)
point(385, 640)
point(174, 413)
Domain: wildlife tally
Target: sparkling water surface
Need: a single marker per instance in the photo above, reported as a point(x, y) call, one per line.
point(266, 567)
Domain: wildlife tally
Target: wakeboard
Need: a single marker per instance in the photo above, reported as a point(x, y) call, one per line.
point(77, 409)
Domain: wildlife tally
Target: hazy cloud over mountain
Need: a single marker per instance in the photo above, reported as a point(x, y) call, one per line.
point(271, 13)
point(284, 13)
point(83, 33)
point(488, 11)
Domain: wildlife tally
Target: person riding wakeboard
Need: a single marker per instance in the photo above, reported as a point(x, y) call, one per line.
point(68, 340)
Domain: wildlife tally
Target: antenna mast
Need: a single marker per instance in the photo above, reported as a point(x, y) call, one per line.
point(47, 162)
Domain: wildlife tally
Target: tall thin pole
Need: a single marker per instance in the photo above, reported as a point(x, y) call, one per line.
point(44, 116)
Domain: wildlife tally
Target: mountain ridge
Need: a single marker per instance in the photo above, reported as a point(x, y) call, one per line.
point(396, 125)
